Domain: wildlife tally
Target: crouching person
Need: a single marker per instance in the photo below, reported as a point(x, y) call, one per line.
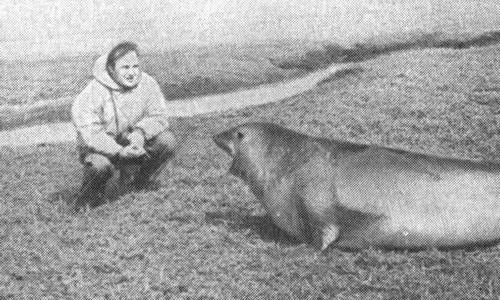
point(120, 119)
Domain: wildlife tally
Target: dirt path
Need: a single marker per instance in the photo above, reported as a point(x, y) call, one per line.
point(64, 132)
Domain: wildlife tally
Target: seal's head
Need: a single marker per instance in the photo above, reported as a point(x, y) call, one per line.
point(267, 158)
point(262, 151)
point(248, 145)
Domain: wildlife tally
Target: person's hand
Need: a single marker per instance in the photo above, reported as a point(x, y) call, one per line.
point(131, 151)
point(136, 138)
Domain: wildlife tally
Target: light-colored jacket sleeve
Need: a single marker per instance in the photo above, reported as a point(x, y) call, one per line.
point(155, 119)
point(87, 118)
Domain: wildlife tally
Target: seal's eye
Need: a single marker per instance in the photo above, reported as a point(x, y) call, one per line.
point(240, 135)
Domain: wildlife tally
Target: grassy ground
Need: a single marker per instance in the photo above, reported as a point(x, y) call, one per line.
point(202, 235)
point(180, 73)
point(199, 71)
point(215, 69)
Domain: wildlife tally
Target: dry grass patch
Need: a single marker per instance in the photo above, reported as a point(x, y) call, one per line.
point(202, 235)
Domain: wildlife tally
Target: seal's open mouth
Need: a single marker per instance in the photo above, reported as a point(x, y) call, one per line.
point(224, 141)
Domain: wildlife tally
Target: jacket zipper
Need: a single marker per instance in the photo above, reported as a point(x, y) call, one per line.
point(116, 112)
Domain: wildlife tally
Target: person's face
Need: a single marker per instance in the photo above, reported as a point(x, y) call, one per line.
point(127, 72)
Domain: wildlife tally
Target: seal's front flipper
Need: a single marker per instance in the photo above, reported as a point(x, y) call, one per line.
point(330, 233)
point(337, 223)
point(315, 231)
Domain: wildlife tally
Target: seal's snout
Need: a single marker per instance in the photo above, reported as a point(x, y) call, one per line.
point(225, 142)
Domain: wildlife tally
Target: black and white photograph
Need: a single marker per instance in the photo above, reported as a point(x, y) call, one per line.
point(236, 149)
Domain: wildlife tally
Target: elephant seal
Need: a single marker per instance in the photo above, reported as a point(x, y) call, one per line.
point(356, 196)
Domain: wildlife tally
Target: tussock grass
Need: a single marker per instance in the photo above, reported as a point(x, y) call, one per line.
point(202, 71)
point(202, 235)
point(385, 44)
point(52, 84)
point(181, 73)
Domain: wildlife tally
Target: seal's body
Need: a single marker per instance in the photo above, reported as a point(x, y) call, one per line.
point(355, 196)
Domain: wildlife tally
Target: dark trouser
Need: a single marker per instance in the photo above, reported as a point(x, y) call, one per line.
point(98, 169)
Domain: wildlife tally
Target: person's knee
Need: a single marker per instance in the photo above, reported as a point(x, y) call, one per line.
point(166, 142)
point(98, 165)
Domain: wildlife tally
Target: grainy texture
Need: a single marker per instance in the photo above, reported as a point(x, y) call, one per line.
point(437, 100)
point(44, 90)
point(181, 74)
point(202, 235)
